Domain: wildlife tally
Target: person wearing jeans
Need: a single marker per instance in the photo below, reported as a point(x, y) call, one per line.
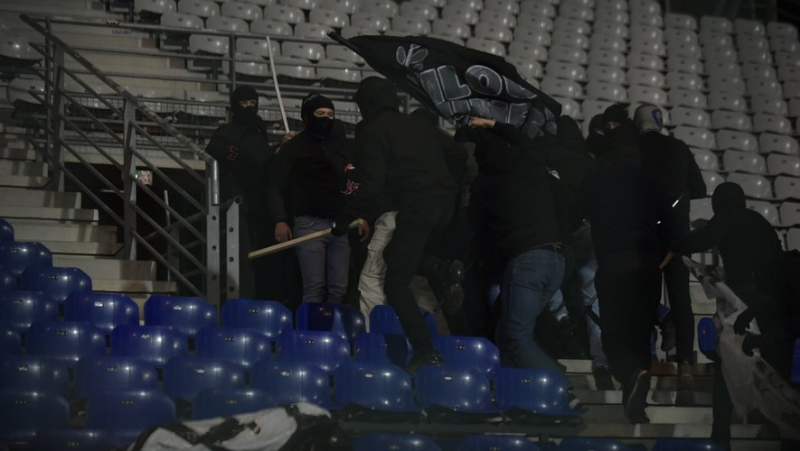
point(323, 262)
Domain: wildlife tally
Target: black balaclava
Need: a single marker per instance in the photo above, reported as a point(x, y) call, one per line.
point(620, 143)
point(240, 114)
point(728, 197)
point(318, 127)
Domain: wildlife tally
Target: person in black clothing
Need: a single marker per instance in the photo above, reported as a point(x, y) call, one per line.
point(624, 208)
point(309, 172)
point(595, 142)
point(403, 168)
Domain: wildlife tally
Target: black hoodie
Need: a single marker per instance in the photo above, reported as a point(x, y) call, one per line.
point(400, 158)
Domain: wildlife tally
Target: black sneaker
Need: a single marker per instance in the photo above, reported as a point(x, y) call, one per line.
point(636, 401)
point(423, 358)
point(447, 284)
point(668, 333)
point(602, 378)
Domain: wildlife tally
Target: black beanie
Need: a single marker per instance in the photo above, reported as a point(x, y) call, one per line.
point(313, 102)
point(615, 113)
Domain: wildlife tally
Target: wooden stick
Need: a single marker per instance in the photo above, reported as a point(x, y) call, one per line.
point(277, 87)
point(295, 242)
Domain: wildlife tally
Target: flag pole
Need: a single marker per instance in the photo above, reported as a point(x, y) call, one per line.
point(296, 242)
point(277, 86)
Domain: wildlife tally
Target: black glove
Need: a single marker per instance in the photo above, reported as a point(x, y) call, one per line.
point(751, 342)
point(340, 227)
point(743, 320)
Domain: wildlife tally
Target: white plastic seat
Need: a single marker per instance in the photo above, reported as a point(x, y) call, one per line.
point(684, 50)
point(565, 71)
point(783, 164)
point(685, 65)
point(790, 214)
point(684, 81)
point(791, 89)
point(758, 71)
point(727, 54)
point(723, 69)
point(370, 21)
point(715, 39)
point(788, 73)
point(456, 14)
point(689, 99)
point(754, 186)
point(647, 94)
point(731, 120)
point(154, 6)
point(339, 71)
point(305, 5)
point(789, 45)
point(749, 26)
point(615, 5)
point(313, 31)
point(646, 77)
point(535, 37)
point(330, 18)
point(19, 89)
point(577, 26)
point(690, 116)
point(220, 23)
point(271, 27)
point(351, 32)
point(643, 18)
point(418, 11)
point(781, 30)
point(305, 50)
point(681, 36)
point(645, 32)
point(493, 32)
point(645, 6)
point(507, 6)
point(716, 24)
point(597, 90)
point(562, 88)
point(747, 40)
point(412, 26)
point(345, 6)
point(769, 105)
point(569, 38)
point(385, 8)
point(787, 187)
point(771, 124)
point(576, 12)
point(696, 137)
point(257, 47)
point(611, 43)
point(212, 45)
point(342, 53)
point(569, 107)
point(648, 47)
point(453, 39)
point(712, 180)
point(448, 27)
point(213, 104)
point(607, 74)
point(787, 59)
point(179, 20)
point(701, 209)
point(286, 14)
point(793, 239)
point(535, 8)
point(600, 57)
point(485, 45)
point(199, 8)
point(770, 142)
point(731, 139)
point(794, 107)
point(749, 54)
point(528, 69)
point(524, 50)
point(501, 18)
point(261, 3)
point(436, 3)
point(244, 11)
point(295, 68)
point(766, 88)
point(747, 162)
point(592, 107)
point(767, 210)
point(680, 22)
point(245, 65)
point(730, 84)
point(726, 101)
point(568, 54)
point(640, 61)
point(706, 160)
point(615, 29)
point(531, 22)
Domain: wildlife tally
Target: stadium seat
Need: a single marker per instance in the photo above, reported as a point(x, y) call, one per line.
point(567, 54)
point(748, 27)
point(685, 65)
point(128, 413)
point(256, 47)
point(303, 50)
point(299, 4)
point(613, 5)
point(677, 35)
point(748, 162)
point(8, 281)
point(791, 89)
point(592, 444)
point(569, 107)
point(713, 40)
point(788, 45)
point(446, 27)
point(727, 83)
point(285, 14)
point(494, 17)
point(682, 444)
point(646, 18)
point(600, 57)
point(610, 43)
point(787, 187)
point(641, 61)
point(342, 53)
point(644, 77)
point(771, 124)
point(543, 9)
point(712, 180)
point(781, 30)
point(645, 6)
point(311, 31)
point(532, 22)
point(6, 231)
point(766, 88)
point(185, 376)
point(725, 54)
point(153, 344)
point(154, 6)
point(793, 243)
point(16, 256)
point(787, 59)
point(291, 382)
point(619, 30)
point(491, 32)
point(790, 214)
point(650, 47)
point(199, 8)
point(212, 403)
point(240, 346)
point(29, 373)
point(66, 341)
point(418, 11)
point(96, 374)
point(691, 82)
point(419, 27)
point(730, 139)
point(230, 24)
point(268, 317)
point(383, 319)
point(690, 99)
point(716, 24)
point(726, 101)
point(452, 13)
point(398, 442)
point(185, 21)
point(696, 137)
point(343, 320)
point(540, 392)
point(578, 26)
point(691, 117)
point(562, 88)
point(788, 73)
point(701, 210)
point(241, 10)
point(529, 70)
point(76, 439)
point(454, 389)
point(20, 89)
point(333, 19)
point(325, 349)
point(24, 414)
point(382, 388)
point(723, 69)
point(767, 210)
point(105, 311)
point(377, 348)
point(706, 160)
point(9, 341)
point(475, 353)
point(647, 94)
point(731, 120)
point(754, 186)
point(561, 37)
point(769, 142)
point(20, 309)
point(478, 442)
point(371, 22)
point(606, 74)
point(493, 47)
point(210, 45)
point(186, 315)
point(783, 164)
point(755, 55)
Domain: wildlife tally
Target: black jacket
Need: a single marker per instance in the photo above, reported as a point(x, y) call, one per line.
point(308, 176)
point(400, 158)
point(671, 165)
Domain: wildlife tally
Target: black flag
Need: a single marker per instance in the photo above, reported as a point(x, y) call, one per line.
point(458, 82)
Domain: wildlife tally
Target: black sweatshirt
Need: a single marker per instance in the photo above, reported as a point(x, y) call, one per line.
point(671, 165)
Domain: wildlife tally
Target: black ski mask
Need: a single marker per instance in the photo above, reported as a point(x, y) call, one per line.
point(318, 127)
point(245, 115)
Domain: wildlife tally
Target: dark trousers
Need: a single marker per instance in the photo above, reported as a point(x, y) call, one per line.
point(418, 224)
point(676, 278)
point(629, 289)
point(722, 407)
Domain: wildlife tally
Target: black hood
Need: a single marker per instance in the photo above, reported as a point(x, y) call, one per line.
point(728, 197)
point(430, 116)
point(569, 132)
point(240, 114)
point(376, 94)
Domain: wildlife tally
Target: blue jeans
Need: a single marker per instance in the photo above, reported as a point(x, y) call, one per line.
point(324, 262)
point(530, 281)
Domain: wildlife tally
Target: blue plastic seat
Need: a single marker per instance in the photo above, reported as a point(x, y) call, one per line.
point(692, 444)
point(592, 444)
point(268, 317)
point(10, 342)
point(186, 315)
point(34, 373)
point(395, 442)
point(23, 414)
point(468, 352)
point(20, 309)
point(241, 346)
point(76, 440)
point(226, 403)
point(324, 349)
point(291, 382)
point(58, 283)
point(8, 281)
point(378, 387)
point(6, 231)
point(126, 413)
point(94, 375)
point(457, 389)
point(383, 319)
point(67, 341)
point(18, 256)
point(153, 344)
point(538, 391)
point(478, 442)
point(103, 310)
point(184, 377)
point(381, 349)
point(706, 335)
point(343, 320)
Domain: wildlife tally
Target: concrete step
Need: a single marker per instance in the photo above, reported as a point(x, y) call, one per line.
point(49, 213)
point(584, 366)
point(134, 286)
point(629, 431)
point(107, 268)
point(610, 414)
point(23, 181)
point(7, 153)
point(13, 167)
point(669, 383)
point(29, 230)
point(39, 198)
point(657, 397)
point(82, 248)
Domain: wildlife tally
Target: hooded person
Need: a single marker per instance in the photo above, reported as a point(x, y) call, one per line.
point(405, 183)
point(670, 164)
point(308, 188)
point(595, 142)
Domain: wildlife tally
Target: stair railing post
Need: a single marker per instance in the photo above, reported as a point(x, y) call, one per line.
point(213, 279)
point(129, 179)
point(232, 263)
point(56, 111)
